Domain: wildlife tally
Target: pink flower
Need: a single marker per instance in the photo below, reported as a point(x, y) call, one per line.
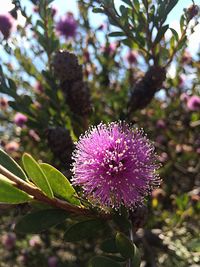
point(3, 103)
point(34, 135)
point(35, 241)
point(161, 124)
point(38, 88)
point(181, 80)
point(132, 57)
point(67, 26)
point(20, 119)
point(52, 261)
point(184, 97)
point(109, 49)
point(12, 146)
point(186, 58)
point(115, 165)
point(9, 241)
point(6, 24)
point(193, 103)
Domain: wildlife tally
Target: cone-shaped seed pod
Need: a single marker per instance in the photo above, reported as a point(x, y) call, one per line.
point(145, 89)
point(61, 144)
point(78, 97)
point(66, 67)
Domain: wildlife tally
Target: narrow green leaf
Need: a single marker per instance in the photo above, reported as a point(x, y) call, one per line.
point(10, 194)
point(7, 162)
point(136, 259)
point(128, 2)
point(124, 246)
point(116, 34)
point(39, 221)
point(102, 261)
point(175, 34)
point(171, 5)
point(84, 229)
point(59, 184)
point(97, 10)
point(161, 33)
point(182, 22)
point(36, 174)
point(137, 5)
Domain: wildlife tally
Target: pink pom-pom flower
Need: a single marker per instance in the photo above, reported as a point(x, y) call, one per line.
point(67, 26)
point(115, 165)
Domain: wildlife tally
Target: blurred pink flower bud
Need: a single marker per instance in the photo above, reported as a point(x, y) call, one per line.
point(193, 103)
point(12, 146)
point(6, 24)
point(186, 58)
point(34, 135)
point(35, 241)
point(52, 261)
point(53, 11)
point(20, 119)
point(181, 80)
point(132, 57)
point(9, 241)
point(109, 49)
point(67, 26)
point(161, 124)
point(163, 157)
point(38, 88)
point(3, 103)
point(184, 97)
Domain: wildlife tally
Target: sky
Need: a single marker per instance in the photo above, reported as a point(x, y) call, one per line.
point(71, 5)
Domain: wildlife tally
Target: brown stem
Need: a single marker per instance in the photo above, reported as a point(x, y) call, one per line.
point(55, 202)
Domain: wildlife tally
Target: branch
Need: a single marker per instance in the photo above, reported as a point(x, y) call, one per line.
point(55, 202)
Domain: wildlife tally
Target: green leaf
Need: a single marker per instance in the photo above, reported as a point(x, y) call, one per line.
point(39, 221)
point(124, 246)
point(161, 33)
point(84, 229)
point(10, 194)
point(175, 34)
point(7, 162)
point(102, 261)
point(109, 246)
point(136, 259)
point(116, 34)
point(128, 2)
point(128, 249)
point(182, 23)
point(182, 43)
point(60, 186)
point(97, 10)
point(137, 5)
point(36, 174)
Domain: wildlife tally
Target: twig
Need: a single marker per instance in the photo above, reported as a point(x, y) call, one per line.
point(55, 202)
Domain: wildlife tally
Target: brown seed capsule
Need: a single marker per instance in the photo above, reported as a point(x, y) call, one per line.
point(66, 67)
point(145, 89)
point(60, 143)
point(78, 98)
